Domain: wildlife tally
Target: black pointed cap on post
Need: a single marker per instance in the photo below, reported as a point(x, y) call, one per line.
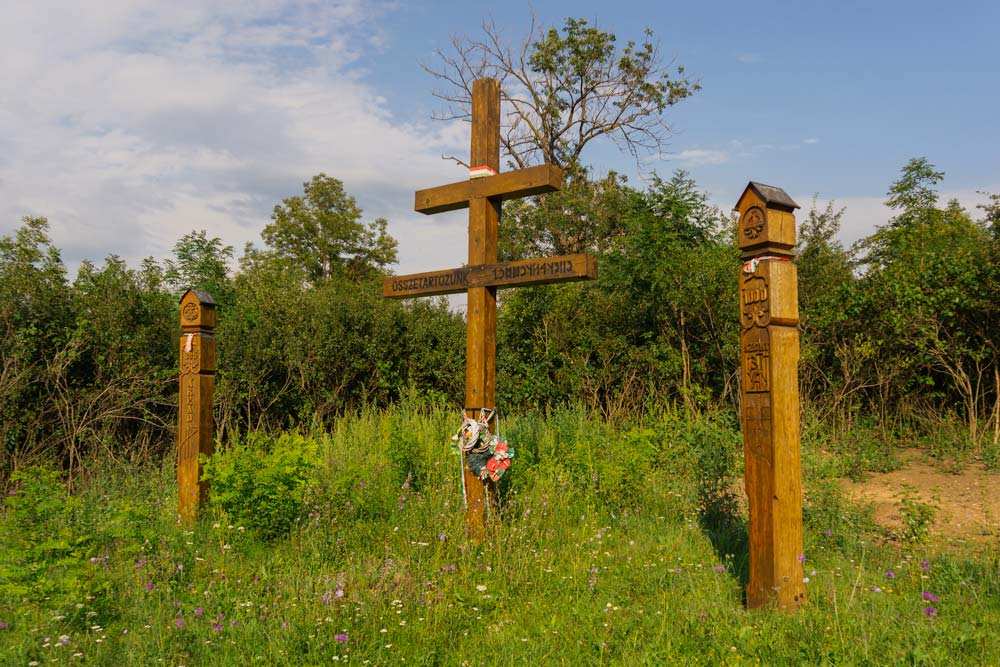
point(773, 197)
point(204, 298)
point(767, 221)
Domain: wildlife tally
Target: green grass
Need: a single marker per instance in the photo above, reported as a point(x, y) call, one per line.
point(615, 546)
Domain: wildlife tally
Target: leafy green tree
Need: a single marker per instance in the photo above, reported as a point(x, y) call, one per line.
point(322, 231)
point(35, 315)
point(584, 216)
point(564, 89)
point(200, 263)
point(926, 301)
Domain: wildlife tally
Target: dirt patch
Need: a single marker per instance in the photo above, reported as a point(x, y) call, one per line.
point(968, 499)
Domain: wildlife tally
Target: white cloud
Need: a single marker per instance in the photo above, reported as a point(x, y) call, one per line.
point(700, 156)
point(810, 140)
point(130, 126)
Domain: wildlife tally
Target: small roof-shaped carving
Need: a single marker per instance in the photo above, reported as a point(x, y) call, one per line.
point(204, 298)
point(772, 196)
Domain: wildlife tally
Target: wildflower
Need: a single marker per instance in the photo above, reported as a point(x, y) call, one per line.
point(3, 625)
point(232, 623)
point(890, 574)
point(341, 638)
point(924, 565)
point(677, 570)
point(930, 597)
point(448, 568)
point(63, 639)
point(199, 611)
point(828, 532)
point(802, 558)
point(805, 580)
point(480, 587)
point(95, 560)
point(149, 585)
point(139, 563)
point(217, 627)
point(179, 622)
point(930, 612)
point(719, 568)
point(876, 589)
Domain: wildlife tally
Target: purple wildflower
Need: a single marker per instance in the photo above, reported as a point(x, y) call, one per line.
point(232, 623)
point(930, 612)
point(179, 622)
point(677, 570)
point(719, 568)
point(448, 568)
point(930, 597)
point(802, 558)
point(149, 585)
point(217, 627)
point(341, 638)
point(63, 639)
point(890, 574)
point(3, 625)
point(876, 589)
point(139, 563)
point(924, 565)
point(828, 532)
point(198, 611)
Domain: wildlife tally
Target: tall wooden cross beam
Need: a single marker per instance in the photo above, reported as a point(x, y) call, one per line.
point(482, 195)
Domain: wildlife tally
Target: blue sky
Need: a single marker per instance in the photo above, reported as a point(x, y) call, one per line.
point(130, 126)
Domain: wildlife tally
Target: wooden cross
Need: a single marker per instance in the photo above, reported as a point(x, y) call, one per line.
point(483, 275)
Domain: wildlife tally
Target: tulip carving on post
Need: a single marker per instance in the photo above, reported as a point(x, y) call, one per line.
point(769, 356)
point(197, 389)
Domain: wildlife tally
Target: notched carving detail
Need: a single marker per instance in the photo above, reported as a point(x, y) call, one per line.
point(755, 308)
point(757, 366)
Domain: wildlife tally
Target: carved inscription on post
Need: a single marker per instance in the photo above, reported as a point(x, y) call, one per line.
point(197, 387)
point(769, 352)
point(756, 348)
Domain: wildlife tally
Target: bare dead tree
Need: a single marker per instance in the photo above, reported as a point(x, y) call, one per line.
point(561, 91)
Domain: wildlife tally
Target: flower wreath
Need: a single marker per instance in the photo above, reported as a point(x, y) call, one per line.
point(487, 455)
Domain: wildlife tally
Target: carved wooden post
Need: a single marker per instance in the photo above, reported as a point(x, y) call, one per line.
point(197, 388)
point(769, 356)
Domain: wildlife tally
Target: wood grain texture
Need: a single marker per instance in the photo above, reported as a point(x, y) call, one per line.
point(541, 271)
point(769, 357)
point(481, 314)
point(509, 185)
point(196, 394)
